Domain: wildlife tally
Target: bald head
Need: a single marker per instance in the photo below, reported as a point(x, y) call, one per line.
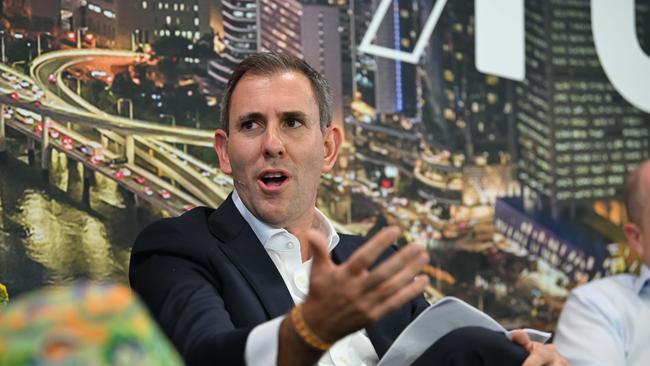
point(636, 192)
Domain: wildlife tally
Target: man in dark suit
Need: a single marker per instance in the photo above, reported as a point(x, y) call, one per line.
point(224, 283)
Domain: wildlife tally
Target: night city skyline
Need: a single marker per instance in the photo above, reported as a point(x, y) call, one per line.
point(514, 186)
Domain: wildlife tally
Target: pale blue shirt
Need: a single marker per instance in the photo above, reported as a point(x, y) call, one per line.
point(607, 322)
point(284, 250)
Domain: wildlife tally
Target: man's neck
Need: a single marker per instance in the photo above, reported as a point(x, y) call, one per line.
point(298, 227)
point(299, 230)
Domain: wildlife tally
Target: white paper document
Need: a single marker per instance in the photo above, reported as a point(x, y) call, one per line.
point(444, 316)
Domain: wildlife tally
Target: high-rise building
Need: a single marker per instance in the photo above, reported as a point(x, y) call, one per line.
point(279, 26)
point(45, 14)
point(578, 137)
point(466, 111)
point(396, 91)
point(346, 31)
point(145, 21)
point(322, 50)
point(96, 18)
point(384, 125)
point(251, 26)
point(240, 38)
point(32, 15)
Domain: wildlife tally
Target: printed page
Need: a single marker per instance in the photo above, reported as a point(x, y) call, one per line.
point(446, 315)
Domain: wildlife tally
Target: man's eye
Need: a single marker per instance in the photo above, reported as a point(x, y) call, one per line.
point(293, 123)
point(249, 125)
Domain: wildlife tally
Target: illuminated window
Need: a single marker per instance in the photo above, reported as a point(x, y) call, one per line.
point(144, 5)
point(168, 20)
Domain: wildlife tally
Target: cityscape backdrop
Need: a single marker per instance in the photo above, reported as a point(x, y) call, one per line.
point(108, 109)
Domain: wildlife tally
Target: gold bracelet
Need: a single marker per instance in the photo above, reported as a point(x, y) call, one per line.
point(305, 333)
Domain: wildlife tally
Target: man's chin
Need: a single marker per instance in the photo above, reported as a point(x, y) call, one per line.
point(274, 216)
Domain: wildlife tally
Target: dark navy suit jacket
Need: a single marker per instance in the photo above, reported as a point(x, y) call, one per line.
point(208, 281)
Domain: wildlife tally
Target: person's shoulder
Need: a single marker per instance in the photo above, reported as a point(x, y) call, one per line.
point(620, 282)
point(168, 233)
point(607, 294)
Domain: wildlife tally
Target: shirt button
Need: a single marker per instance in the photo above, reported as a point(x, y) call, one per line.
point(301, 280)
point(291, 245)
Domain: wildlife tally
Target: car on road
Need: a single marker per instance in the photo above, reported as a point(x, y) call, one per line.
point(8, 76)
point(165, 194)
point(84, 150)
point(122, 173)
point(9, 112)
point(51, 79)
point(96, 159)
point(117, 161)
point(67, 142)
point(139, 179)
point(148, 191)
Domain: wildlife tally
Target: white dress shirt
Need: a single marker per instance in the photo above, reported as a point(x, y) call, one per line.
point(284, 250)
point(607, 322)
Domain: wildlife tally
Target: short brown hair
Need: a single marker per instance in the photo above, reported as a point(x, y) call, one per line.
point(272, 63)
point(634, 197)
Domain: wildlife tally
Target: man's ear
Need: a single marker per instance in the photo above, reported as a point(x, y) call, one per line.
point(332, 144)
point(633, 234)
point(221, 147)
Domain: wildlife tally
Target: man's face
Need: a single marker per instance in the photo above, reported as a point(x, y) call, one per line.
point(275, 149)
point(638, 234)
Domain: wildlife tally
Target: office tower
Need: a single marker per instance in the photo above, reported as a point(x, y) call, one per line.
point(321, 48)
point(466, 111)
point(145, 21)
point(240, 38)
point(578, 137)
point(251, 26)
point(279, 26)
point(396, 91)
point(97, 19)
point(32, 15)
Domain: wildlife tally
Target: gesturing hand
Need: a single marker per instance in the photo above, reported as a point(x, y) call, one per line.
point(345, 298)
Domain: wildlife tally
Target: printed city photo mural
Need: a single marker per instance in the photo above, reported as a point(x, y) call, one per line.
point(498, 135)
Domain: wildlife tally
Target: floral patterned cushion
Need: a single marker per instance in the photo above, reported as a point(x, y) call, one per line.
point(85, 323)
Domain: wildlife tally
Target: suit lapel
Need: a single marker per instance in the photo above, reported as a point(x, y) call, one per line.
point(246, 252)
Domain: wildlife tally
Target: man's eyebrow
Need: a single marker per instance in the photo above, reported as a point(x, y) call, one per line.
point(250, 116)
point(299, 115)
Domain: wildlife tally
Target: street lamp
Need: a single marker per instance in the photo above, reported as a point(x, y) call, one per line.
point(135, 34)
point(173, 119)
point(13, 64)
point(119, 106)
point(2, 41)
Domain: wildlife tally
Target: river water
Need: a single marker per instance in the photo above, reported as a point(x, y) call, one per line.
point(48, 236)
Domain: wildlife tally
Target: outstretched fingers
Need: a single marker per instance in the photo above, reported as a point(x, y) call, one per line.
point(398, 269)
point(406, 293)
point(370, 251)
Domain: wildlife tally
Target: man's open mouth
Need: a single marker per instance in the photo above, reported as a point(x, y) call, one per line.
point(273, 179)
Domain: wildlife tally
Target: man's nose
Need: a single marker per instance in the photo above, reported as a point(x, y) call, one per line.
point(273, 143)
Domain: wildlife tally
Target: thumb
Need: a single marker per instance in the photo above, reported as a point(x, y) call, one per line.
point(521, 338)
point(318, 246)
